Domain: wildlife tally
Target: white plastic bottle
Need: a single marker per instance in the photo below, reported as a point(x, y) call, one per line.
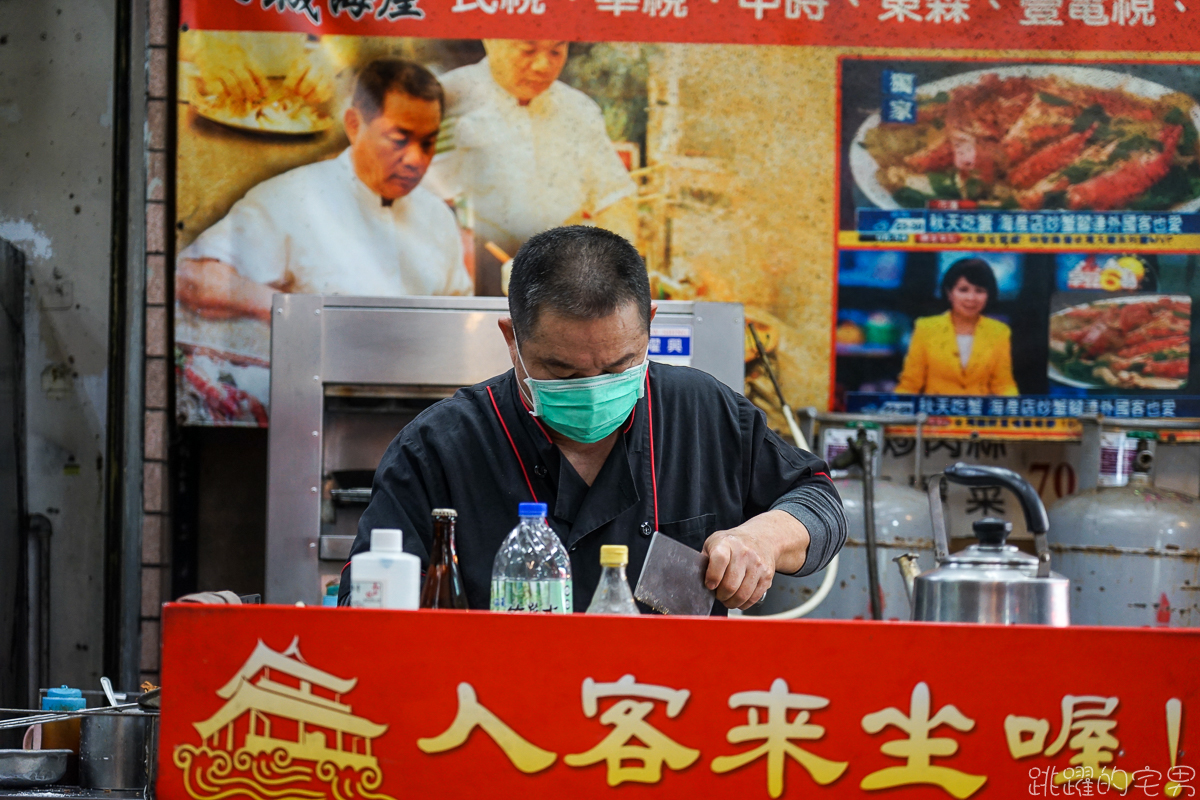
point(385, 576)
point(612, 593)
point(532, 571)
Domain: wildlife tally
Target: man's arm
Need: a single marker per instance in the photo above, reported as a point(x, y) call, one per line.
point(216, 290)
point(795, 523)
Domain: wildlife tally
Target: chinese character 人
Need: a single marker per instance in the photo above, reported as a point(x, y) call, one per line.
point(523, 754)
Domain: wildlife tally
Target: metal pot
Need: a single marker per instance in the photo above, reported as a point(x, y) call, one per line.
point(989, 582)
point(112, 750)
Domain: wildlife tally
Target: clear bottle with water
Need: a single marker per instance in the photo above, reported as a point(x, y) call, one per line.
point(532, 571)
point(612, 594)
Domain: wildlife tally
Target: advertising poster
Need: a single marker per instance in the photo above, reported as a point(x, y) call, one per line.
point(770, 152)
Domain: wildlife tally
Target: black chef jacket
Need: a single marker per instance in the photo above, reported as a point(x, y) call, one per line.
point(718, 465)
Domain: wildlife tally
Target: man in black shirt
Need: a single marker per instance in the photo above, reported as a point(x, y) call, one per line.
point(616, 446)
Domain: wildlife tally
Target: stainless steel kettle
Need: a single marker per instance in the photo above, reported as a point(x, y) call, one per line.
point(990, 582)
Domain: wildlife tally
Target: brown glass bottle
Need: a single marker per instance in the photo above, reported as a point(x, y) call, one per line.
point(443, 585)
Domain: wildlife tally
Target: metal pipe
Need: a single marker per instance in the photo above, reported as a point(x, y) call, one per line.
point(797, 436)
point(919, 451)
point(867, 459)
point(1141, 424)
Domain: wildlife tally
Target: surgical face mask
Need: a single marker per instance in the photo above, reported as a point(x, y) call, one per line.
point(587, 409)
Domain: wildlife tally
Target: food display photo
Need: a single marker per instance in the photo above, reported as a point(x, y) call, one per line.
point(1019, 136)
point(1110, 340)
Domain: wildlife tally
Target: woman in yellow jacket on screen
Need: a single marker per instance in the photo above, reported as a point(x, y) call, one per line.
point(961, 351)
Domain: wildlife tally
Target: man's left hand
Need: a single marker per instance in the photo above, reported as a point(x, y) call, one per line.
point(742, 561)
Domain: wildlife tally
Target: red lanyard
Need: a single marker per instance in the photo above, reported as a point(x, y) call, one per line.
point(521, 462)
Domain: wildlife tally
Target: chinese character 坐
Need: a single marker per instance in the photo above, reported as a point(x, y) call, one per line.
point(919, 748)
point(776, 735)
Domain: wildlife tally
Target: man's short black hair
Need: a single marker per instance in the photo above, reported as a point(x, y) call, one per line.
point(977, 272)
point(579, 272)
point(385, 75)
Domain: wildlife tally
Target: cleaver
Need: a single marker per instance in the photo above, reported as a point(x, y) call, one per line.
point(672, 579)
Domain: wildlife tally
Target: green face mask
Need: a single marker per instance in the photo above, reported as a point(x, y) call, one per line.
point(587, 409)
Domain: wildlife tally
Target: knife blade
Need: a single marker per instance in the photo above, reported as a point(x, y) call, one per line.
point(672, 579)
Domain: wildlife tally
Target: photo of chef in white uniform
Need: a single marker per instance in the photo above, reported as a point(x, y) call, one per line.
point(358, 224)
point(527, 152)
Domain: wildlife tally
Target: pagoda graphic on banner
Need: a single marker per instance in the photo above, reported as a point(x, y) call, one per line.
point(283, 724)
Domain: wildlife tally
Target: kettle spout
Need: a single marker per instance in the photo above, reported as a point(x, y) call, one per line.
point(909, 570)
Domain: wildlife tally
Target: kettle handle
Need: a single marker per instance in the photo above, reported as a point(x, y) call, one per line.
point(1036, 519)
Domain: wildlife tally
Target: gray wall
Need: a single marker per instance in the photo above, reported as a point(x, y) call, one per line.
point(56, 76)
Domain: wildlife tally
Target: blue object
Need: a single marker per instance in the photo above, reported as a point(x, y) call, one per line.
point(64, 699)
point(899, 84)
point(531, 510)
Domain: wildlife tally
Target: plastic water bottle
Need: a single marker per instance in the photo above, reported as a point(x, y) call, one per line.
point(385, 576)
point(532, 571)
point(612, 594)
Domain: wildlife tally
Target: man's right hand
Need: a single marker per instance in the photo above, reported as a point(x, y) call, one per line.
point(216, 290)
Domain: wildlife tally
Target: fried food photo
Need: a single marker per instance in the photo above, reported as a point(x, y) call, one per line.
point(1135, 342)
point(1037, 138)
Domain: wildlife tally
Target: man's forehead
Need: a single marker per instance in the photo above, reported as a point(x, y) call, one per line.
point(413, 114)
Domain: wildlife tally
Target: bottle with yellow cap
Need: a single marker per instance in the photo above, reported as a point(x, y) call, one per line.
point(612, 594)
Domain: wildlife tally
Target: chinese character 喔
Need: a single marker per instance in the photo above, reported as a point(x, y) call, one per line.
point(628, 720)
point(523, 754)
point(1087, 716)
point(1041, 12)
point(776, 735)
point(900, 10)
point(919, 748)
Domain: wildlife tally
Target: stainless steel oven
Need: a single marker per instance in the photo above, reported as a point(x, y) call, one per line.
point(348, 373)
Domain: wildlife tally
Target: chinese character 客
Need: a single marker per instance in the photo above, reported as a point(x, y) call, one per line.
point(1041, 12)
point(392, 10)
point(628, 720)
point(948, 11)
point(1132, 12)
point(776, 735)
point(355, 8)
point(523, 754)
point(919, 748)
point(900, 10)
point(1087, 716)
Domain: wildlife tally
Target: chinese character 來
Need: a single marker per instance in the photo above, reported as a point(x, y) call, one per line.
point(524, 755)
point(777, 735)
point(1041, 12)
point(628, 720)
point(1088, 717)
point(918, 749)
point(900, 10)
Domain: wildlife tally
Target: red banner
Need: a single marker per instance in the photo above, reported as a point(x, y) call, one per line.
point(272, 702)
point(1131, 25)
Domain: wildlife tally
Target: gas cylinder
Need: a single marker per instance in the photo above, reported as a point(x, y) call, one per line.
point(902, 525)
point(1132, 553)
